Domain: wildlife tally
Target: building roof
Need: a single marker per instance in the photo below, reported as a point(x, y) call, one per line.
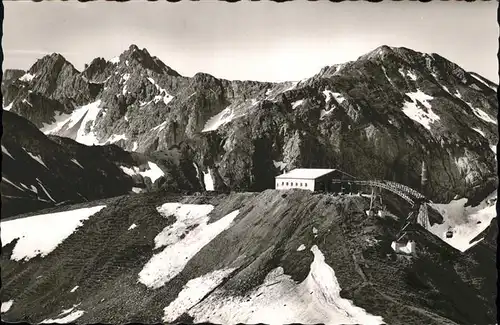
point(306, 173)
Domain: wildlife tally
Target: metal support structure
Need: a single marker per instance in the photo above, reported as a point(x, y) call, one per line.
point(372, 198)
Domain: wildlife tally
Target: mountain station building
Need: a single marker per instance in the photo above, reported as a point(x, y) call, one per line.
point(314, 180)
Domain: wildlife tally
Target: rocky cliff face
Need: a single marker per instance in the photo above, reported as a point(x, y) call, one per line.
point(40, 171)
point(276, 257)
point(380, 116)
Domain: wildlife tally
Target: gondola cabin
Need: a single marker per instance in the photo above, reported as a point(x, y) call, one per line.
point(315, 180)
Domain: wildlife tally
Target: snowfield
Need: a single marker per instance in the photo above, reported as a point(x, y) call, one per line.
point(465, 222)
point(41, 234)
point(280, 300)
point(80, 117)
point(167, 264)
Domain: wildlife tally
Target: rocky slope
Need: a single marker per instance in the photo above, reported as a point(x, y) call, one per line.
point(271, 257)
point(380, 116)
point(40, 171)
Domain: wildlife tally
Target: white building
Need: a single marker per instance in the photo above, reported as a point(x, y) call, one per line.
point(310, 179)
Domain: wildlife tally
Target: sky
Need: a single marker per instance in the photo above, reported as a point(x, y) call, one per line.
point(263, 40)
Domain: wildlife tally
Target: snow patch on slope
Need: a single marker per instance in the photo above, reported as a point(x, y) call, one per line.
point(45, 191)
point(479, 131)
point(297, 103)
point(167, 98)
point(7, 181)
point(41, 234)
point(481, 114)
point(224, 117)
point(60, 120)
point(160, 126)
point(209, 181)
point(6, 152)
point(280, 300)
point(66, 319)
point(465, 222)
point(331, 94)
point(417, 114)
point(77, 163)
point(154, 172)
point(8, 107)
point(6, 306)
point(26, 102)
point(167, 264)
point(411, 74)
point(280, 165)
point(27, 77)
point(115, 138)
point(193, 292)
point(37, 158)
point(84, 115)
point(484, 83)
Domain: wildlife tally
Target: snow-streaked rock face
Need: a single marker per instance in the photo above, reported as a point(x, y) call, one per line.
point(40, 172)
point(40, 235)
point(411, 109)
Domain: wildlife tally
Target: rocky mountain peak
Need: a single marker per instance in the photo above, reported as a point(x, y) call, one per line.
point(98, 70)
point(380, 52)
point(135, 56)
point(54, 62)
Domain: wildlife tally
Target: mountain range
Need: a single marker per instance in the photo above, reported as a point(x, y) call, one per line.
point(131, 193)
point(379, 117)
